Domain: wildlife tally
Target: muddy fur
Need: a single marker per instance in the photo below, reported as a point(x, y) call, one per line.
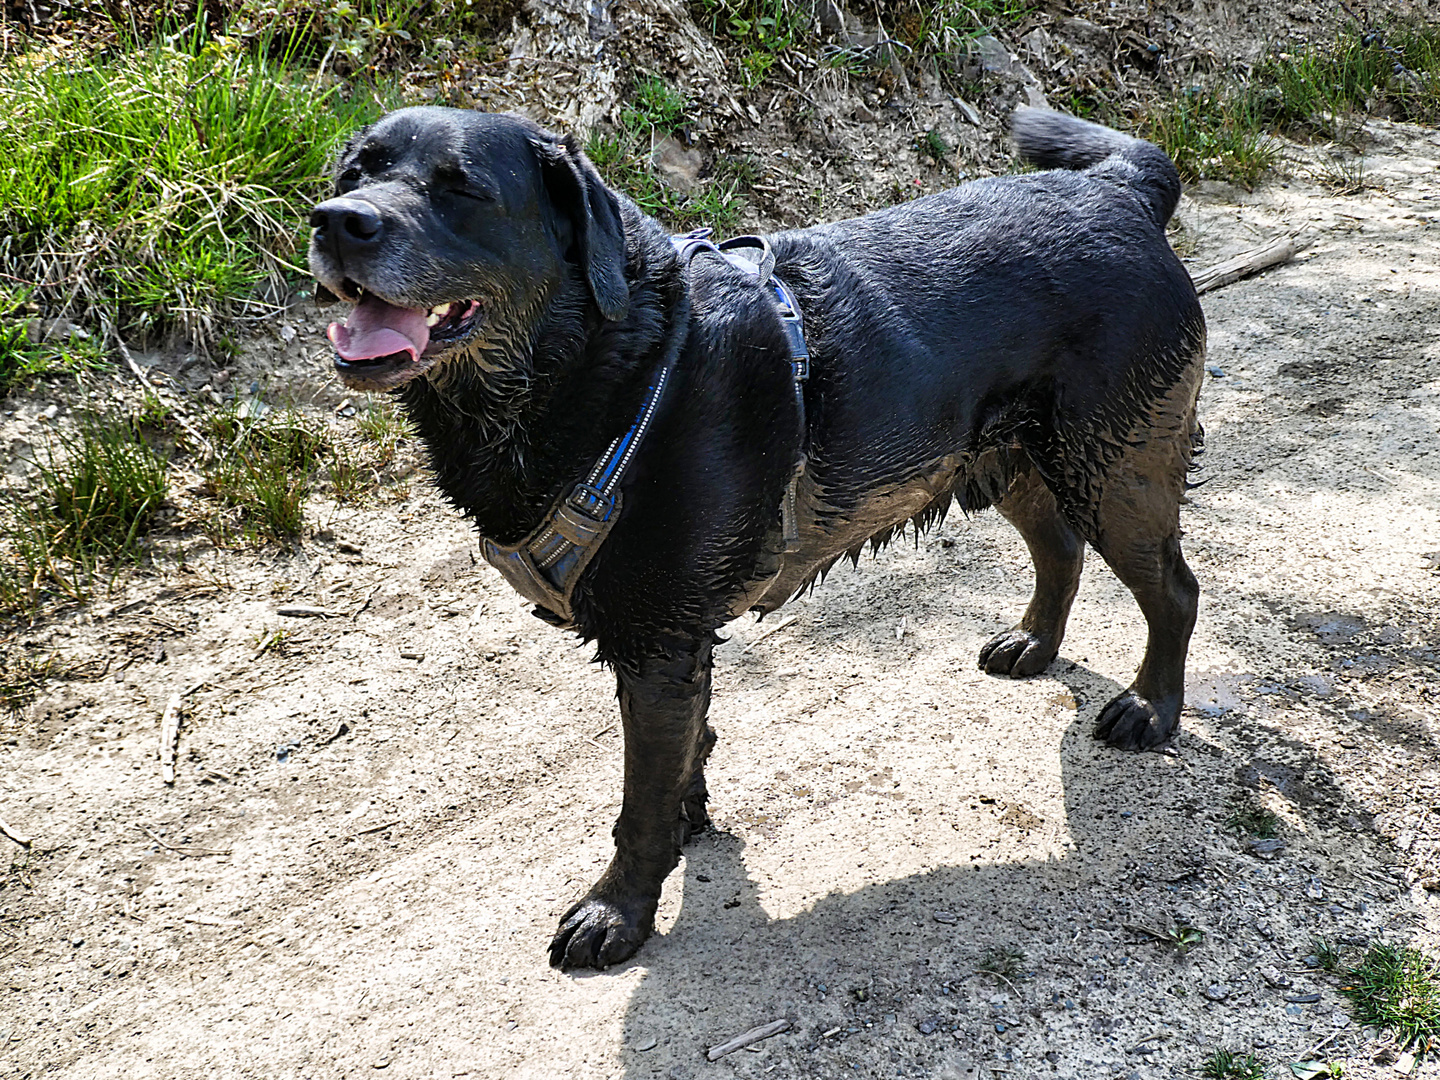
point(1028, 342)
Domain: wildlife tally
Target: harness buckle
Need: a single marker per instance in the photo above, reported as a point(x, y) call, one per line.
point(592, 502)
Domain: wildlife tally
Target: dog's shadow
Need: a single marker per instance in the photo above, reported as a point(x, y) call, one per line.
point(885, 980)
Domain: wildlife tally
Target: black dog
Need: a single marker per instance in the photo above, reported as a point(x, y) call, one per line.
point(629, 426)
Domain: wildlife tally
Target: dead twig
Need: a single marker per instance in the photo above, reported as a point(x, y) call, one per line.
point(747, 1038)
point(375, 828)
point(19, 838)
point(1249, 262)
point(169, 738)
point(781, 625)
point(181, 850)
point(304, 611)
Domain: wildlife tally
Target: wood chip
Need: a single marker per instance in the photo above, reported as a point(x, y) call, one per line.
point(169, 739)
point(304, 611)
point(375, 828)
point(754, 1035)
point(206, 920)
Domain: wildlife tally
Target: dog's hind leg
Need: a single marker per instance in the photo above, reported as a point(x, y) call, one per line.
point(663, 702)
point(1058, 553)
point(1139, 537)
point(694, 817)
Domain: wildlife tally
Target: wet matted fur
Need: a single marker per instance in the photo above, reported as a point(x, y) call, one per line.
point(1029, 341)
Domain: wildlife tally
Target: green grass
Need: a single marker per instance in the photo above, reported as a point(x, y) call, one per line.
point(265, 461)
point(1004, 961)
point(160, 186)
point(1398, 988)
point(94, 491)
point(1225, 1065)
point(623, 158)
point(655, 104)
point(1212, 134)
point(1251, 819)
point(1317, 85)
point(1327, 954)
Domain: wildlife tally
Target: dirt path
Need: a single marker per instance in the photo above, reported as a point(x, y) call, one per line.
point(402, 833)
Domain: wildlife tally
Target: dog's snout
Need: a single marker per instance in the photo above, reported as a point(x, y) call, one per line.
point(348, 222)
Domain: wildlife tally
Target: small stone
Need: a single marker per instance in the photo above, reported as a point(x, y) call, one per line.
point(994, 56)
point(1269, 848)
point(928, 1025)
point(1275, 978)
point(383, 1063)
point(949, 918)
point(1303, 999)
point(647, 1044)
point(1216, 992)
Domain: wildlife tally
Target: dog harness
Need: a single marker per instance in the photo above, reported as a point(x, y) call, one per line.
point(546, 566)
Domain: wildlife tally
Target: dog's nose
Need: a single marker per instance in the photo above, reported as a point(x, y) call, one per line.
point(348, 223)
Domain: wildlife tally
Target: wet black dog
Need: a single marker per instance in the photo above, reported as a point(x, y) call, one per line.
point(1028, 341)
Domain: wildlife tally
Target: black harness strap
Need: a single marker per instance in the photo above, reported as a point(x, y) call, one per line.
point(753, 257)
point(546, 566)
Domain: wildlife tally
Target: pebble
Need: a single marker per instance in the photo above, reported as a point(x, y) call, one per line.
point(1216, 992)
point(928, 1025)
point(647, 1044)
point(1303, 999)
point(949, 918)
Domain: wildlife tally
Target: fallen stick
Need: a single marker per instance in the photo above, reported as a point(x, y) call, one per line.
point(304, 611)
point(139, 373)
point(1248, 262)
point(748, 1038)
point(181, 850)
point(169, 738)
point(768, 631)
point(206, 920)
point(374, 829)
point(19, 838)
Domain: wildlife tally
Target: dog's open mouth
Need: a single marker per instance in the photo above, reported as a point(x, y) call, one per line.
point(381, 346)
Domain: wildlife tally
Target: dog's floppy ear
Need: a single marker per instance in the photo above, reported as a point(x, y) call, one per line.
point(576, 191)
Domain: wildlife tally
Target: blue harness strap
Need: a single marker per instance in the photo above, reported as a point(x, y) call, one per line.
point(546, 566)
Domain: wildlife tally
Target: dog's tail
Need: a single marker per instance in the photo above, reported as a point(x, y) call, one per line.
point(1053, 140)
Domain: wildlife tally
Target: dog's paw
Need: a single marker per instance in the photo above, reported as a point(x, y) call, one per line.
point(598, 932)
point(1016, 653)
point(1130, 722)
point(694, 818)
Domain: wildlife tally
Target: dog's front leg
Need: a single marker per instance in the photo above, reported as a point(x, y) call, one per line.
point(663, 702)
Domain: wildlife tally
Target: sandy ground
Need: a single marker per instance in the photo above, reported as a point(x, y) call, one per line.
point(378, 823)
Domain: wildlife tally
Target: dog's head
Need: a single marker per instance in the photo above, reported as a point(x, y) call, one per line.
point(450, 232)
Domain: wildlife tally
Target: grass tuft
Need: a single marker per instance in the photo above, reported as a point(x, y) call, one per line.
point(92, 493)
point(1252, 819)
point(161, 186)
point(264, 462)
point(623, 158)
point(1327, 954)
point(1398, 988)
point(1226, 1065)
point(1003, 961)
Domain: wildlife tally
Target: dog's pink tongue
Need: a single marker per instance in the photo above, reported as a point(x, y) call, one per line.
point(376, 329)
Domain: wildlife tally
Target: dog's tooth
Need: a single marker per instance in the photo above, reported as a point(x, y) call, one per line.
point(432, 319)
point(440, 310)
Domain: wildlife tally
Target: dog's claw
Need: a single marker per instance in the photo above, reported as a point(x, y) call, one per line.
point(1130, 722)
point(1016, 653)
point(597, 933)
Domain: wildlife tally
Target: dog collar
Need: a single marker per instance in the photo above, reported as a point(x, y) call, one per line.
point(546, 566)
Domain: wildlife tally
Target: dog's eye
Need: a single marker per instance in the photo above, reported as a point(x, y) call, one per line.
point(348, 179)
